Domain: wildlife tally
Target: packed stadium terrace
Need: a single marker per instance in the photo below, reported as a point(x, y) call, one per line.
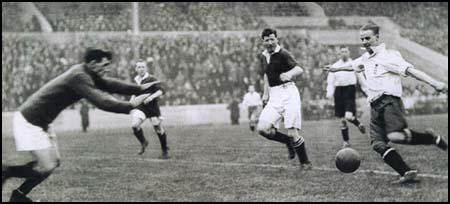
point(197, 69)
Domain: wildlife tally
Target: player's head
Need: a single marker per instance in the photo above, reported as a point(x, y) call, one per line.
point(141, 67)
point(270, 39)
point(97, 61)
point(344, 52)
point(251, 88)
point(369, 34)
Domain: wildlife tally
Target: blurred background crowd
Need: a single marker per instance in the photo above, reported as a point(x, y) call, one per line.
point(196, 69)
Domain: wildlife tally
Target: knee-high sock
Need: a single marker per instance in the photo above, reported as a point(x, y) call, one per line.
point(163, 140)
point(355, 122)
point(23, 171)
point(139, 133)
point(418, 138)
point(30, 183)
point(393, 159)
point(300, 149)
point(344, 131)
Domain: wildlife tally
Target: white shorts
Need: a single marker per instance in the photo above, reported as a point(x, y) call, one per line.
point(136, 113)
point(29, 137)
point(284, 102)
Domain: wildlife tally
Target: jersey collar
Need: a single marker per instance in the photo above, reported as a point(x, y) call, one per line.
point(138, 78)
point(277, 49)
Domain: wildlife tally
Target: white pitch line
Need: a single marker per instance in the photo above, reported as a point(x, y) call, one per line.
point(272, 166)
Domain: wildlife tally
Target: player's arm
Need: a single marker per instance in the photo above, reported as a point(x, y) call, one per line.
point(153, 96)
point(121, 87)
point(266, 96)
point(289, 75)
point(359, 72)
point(422, 76)
point(330, 85)
point(332, 68)
point(85, 87)
point(295, 71)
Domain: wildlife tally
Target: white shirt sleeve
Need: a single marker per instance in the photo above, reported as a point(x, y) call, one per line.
point(330, 85)
point(393, 61)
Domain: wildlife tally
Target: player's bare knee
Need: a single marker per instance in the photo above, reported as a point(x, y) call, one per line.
point(343, 122)
point(264, 131)
point(47, 167)
point(158, 129)
point(349, 116)
point(397, 137)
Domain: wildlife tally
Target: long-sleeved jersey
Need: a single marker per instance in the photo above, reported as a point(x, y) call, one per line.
point(42, 107)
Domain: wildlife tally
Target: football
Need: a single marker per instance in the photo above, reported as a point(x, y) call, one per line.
point(347, 160)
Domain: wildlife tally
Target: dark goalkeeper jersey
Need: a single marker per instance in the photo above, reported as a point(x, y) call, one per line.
point(42, 107)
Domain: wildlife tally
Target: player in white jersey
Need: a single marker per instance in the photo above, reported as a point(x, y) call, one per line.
point(252, 100)
point(342, 87)
point(379, 71)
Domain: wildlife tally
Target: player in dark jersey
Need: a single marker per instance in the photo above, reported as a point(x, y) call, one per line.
point(32, 123)
point(282, 98)
point(149, 109)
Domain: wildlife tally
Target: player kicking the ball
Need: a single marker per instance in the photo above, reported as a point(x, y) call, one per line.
point(342, 87)
point(379, 71)
point(149, 109)
point(31, 124)
point(282, 97)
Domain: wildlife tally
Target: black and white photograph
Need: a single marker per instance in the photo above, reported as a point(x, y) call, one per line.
point(224, 101)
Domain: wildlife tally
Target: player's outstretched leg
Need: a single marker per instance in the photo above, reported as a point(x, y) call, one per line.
point(272, 134)
point(138, 132)
point(34, 172)
point(412, 137)
point(268, 131)
point(394, 160)
point(354, 120)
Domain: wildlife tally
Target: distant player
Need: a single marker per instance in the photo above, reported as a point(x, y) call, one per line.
point(342, 87)
point(32, 123)
point(282, 97)
point(149, 109)
point(252, 100)
point(379, 71)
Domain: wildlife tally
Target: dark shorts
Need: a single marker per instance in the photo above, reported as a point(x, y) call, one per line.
point(387, 115)
point(150, 111)
point(251, 110)
point(344, 100)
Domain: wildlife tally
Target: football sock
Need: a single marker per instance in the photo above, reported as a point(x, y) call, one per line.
point(30, 183)
point(393, 159)
point(418, 138)
point(300, 149)
point(355, 122)
point(163, 141)
point(344, 131)
point(139, 133)
point(23, 171)
point(281, 137)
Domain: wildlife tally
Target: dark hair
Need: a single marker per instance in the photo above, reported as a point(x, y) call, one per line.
point(343, 46)
point(96, 54)
point(268, 31)
point(371, 26)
